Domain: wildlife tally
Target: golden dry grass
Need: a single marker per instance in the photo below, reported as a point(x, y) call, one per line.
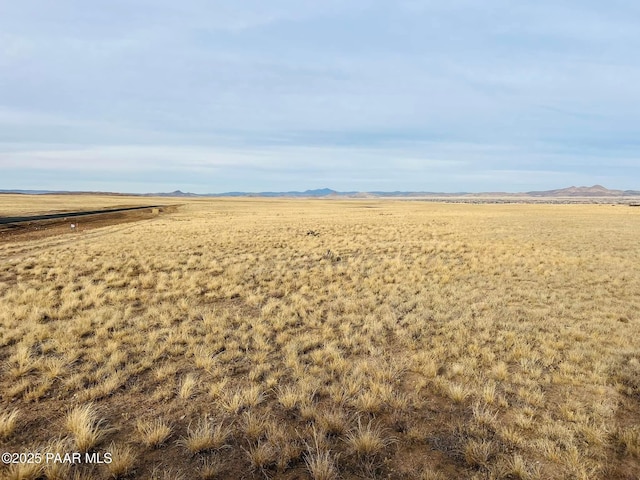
point(407, 340)
point(85, 427)
point(153, 433)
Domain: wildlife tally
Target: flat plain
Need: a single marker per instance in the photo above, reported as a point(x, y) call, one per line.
point(324, 339)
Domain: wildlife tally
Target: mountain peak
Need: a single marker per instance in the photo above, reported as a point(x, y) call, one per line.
point(320, 191)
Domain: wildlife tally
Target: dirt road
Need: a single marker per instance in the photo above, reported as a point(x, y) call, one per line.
point(39, 226)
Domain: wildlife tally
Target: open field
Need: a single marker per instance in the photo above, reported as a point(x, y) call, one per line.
point(321, 339)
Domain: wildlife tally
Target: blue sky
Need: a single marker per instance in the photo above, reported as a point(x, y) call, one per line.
point(213, 96)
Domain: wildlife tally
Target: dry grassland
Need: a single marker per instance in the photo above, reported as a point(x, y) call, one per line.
point(404, 340)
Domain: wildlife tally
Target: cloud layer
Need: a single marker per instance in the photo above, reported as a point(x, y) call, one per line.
point(217, 96)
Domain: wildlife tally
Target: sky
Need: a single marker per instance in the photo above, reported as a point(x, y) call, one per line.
point(210, 96)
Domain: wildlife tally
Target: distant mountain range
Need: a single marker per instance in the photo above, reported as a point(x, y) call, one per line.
point(28, 192)
point(594, 191)
point(321, 192)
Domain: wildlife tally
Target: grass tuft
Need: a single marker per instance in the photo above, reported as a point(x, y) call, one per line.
point(87, 429)
point(206, 436)
point(8, 423)
point(321, 465)
point(154, 433)
point(367, 440)
point(123, 460)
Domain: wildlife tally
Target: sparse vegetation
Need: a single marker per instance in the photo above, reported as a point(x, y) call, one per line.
point(8, 422)
point(85, 426)
point(407, 340)
point(206, 436)
point(367, 440)
point(154, 433)
point(212, 468)
point(122, 460)
point(321, 465)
